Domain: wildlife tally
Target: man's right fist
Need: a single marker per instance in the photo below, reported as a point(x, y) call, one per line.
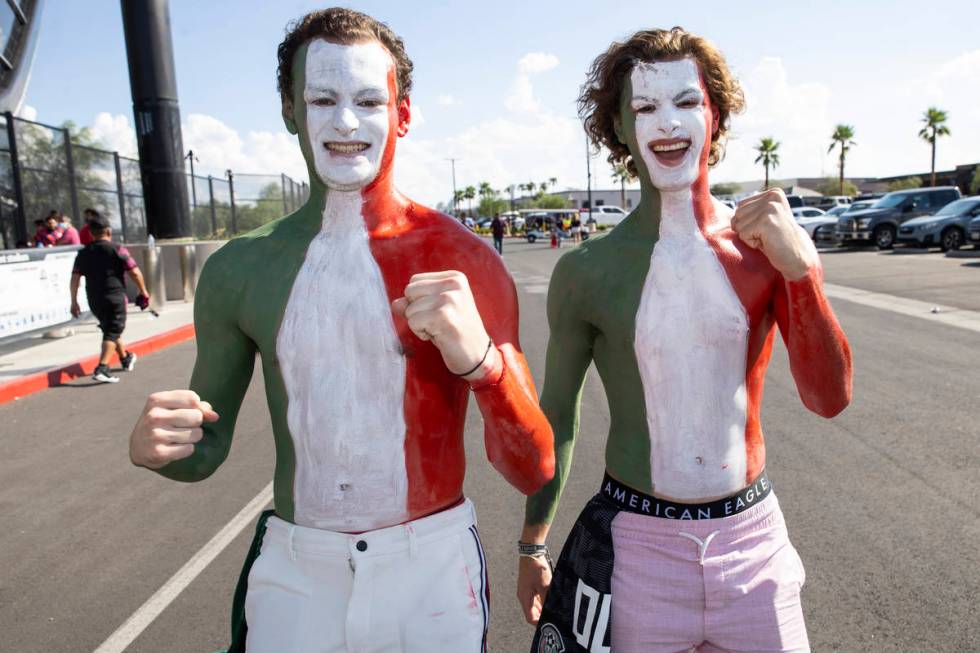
point(168, 428)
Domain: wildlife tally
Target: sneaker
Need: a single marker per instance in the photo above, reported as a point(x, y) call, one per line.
point(102, 375)
point(129, 362)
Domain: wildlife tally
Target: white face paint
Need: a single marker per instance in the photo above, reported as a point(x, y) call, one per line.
point(672, 116)
point(346, 96)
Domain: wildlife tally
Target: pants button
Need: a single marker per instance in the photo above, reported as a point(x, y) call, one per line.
point(361, 545)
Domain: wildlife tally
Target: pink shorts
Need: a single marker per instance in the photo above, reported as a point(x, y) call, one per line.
point(728, 584)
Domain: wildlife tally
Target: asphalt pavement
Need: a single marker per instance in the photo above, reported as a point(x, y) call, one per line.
point(882, 502)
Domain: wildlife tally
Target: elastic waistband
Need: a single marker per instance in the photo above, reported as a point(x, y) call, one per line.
point(393, 539)
point(631, 500)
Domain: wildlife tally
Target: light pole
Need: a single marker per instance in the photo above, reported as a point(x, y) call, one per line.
point(190, 155)
point(453, 163)
point(588, 172)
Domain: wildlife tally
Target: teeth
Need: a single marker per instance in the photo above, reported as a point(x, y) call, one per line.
point(670, 148)
point(346, 148)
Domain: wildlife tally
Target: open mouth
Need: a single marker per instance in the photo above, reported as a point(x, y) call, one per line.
point(345, 148)
point(670, 152)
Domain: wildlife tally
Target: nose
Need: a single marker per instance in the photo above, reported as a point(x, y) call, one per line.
point(345, 122)
point(669, 126)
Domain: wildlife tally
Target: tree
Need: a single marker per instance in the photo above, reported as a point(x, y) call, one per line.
point(842, 137)
point(551, 202)
point(767, 149)
point(831, 186)
point(458, 196)
point(905, 184)
point(553, 181)
point(935, 126)
point(975, 182)
point(725, 189)
point(469, 193)
point(622, 175)
point(485, 190)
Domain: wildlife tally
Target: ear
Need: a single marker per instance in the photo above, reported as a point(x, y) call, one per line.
point(404, 116)
point(287, 116)
point(714, 122)
point(618, 128)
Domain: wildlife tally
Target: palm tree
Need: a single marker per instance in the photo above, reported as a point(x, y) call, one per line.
point(485, 190)
point(935, 120)
point(553, 181)
point(530, 186)
point(843, 136)
point(622, 175)
point(767, 155)
point(458, 196)
point(468, 194)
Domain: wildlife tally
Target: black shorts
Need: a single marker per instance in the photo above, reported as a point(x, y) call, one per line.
point(110, 311)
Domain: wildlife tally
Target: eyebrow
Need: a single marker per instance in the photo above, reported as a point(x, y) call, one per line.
point(316, 88)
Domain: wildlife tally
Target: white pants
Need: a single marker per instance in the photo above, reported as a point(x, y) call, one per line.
point(419, 586)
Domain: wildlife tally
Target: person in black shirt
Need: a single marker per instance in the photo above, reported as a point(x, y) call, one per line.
point(497, 228)
point(104, 265)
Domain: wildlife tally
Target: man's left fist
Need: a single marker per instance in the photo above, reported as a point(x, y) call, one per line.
point(439, 306)
point(765, 222)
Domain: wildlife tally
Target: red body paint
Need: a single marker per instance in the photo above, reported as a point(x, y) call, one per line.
point(819, 355)
point(407, 239)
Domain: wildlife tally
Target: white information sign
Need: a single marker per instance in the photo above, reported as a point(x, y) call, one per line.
point(34, 289)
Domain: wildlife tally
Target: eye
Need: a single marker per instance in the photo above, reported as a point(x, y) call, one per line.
point(689, 103)
point(644, 108)
point(370, 103)
point(323, 102)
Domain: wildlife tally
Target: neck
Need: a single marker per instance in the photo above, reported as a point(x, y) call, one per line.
point(380, 204)
point(677, 212)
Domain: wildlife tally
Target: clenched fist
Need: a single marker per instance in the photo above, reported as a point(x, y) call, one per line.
point(765, 222)
point(168, 428)
point(439, 306)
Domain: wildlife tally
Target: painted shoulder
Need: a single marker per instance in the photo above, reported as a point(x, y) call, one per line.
point(465, 251)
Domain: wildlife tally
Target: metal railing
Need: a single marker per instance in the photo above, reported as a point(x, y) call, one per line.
point(42, 169)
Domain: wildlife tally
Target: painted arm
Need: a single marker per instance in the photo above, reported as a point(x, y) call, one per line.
point(518, 438)
point(819, 355)
point(222, 370)
point(568, 359)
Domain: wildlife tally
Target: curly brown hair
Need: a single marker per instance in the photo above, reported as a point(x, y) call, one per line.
point(346, 26)
point(599, 101)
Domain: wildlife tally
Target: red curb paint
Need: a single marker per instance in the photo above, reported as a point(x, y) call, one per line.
point(27, 385)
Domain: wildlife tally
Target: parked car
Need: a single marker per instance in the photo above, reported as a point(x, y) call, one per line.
point(539, 234)
point(973, 232)
point(879, 224)
point(606, 214)
point(947, 227)
point(807, 212)
point(831, 201)
point(837, 210)
point(812, 224)
point(860, 205)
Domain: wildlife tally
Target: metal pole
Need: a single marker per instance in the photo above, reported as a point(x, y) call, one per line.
point(214, 219)
point(588, 172)
point(190, 155)
point(122, 195)
point(282, 180)
point(153, 82)
point(72, 186)
point(453, 163)
point(231, 194)
point(20, 226)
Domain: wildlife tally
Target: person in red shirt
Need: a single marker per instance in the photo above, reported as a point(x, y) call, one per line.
point(69, 234)
point(85, 235)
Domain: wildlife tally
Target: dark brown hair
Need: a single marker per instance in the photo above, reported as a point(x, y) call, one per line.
point(346, 26)
point(600, 99)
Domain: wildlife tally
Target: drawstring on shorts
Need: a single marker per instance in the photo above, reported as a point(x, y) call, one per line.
point(702, 546)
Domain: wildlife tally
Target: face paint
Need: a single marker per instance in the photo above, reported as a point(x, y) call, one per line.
point(671, 118)
point(347, 110)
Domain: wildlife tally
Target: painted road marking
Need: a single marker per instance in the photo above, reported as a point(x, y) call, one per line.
point(144, 616)
point(948, 315)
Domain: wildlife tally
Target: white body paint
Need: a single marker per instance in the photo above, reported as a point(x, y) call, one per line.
point(662, 92)
point(344, 373)
point(346, 96)
point(691, 328)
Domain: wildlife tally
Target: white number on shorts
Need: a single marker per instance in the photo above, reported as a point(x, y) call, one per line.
point(598, 603)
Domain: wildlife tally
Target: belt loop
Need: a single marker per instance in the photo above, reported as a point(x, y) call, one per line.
point(292, 549)
point(413, 545)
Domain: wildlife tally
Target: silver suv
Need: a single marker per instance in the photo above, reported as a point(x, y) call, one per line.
point(879, 224)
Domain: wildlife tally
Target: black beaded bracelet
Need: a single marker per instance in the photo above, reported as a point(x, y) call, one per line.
point(482, 360)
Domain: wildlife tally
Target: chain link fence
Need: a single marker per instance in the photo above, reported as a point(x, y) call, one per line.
point(42, 170)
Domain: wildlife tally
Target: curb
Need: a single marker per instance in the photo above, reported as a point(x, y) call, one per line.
point(55, 376)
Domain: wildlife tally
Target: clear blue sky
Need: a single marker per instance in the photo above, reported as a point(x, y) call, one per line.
point(866, 56)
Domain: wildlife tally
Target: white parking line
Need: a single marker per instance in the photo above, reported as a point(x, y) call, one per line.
point(144, 616)
point(948, 315)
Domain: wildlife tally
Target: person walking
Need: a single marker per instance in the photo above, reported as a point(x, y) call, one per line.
point(497, 229)
point(104, 264)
